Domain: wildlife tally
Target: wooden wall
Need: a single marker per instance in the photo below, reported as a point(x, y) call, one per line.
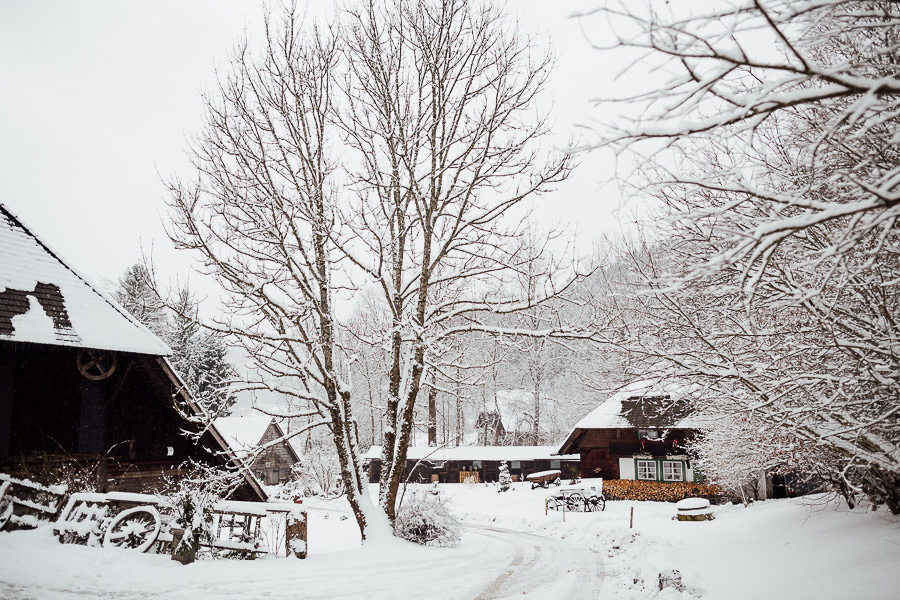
point(596, 460)
point(273, 465)
point(50, 415)
point(601, 449)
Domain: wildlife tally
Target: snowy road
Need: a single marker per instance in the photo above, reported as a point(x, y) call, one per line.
point(542, 567)
point(490, 564)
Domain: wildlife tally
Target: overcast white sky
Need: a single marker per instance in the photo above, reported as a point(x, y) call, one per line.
point(98, 97)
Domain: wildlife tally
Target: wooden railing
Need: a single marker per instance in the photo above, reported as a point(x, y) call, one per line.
point(466, 476)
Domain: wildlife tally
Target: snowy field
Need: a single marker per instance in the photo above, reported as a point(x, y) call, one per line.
point(775, 549)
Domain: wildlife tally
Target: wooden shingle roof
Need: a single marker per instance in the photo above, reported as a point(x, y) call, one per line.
point(44, 300)
point(640, 405)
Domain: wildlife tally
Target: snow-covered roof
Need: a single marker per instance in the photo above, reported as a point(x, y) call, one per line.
point(245, 433)
point(44, 301)
point(466, 453)
point(644, 405)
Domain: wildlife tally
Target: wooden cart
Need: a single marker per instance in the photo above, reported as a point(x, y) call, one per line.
point(578, 498)
point(544, 478)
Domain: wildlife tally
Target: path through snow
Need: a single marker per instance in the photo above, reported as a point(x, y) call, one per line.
point(489, 564)
point(543, 567)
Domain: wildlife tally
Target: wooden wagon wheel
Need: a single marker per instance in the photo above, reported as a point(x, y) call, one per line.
point(96, 365)
point(6, 512)
point(575, 502)
point(596, 504)
point(136, 528)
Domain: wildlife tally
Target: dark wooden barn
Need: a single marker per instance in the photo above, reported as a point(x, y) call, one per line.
point(245, 435)
point(474, 463)
point(82, 383)
point(638, 433)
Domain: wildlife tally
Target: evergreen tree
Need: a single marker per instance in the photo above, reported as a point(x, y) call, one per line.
point(505, 479)
point(136, 295)
point(199, 357)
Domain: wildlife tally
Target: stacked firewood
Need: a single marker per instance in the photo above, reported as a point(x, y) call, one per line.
point(629, 489)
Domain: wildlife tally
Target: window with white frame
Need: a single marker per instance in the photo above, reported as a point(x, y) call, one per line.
point(672, 470)
point(646, 469)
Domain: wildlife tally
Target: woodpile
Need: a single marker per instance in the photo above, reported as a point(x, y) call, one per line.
point(656, 491)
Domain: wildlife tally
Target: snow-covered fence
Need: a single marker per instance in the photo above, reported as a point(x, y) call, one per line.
point(145, 522)
point(23, 503)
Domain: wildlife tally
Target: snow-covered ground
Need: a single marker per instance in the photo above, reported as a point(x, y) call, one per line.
point(775, 549)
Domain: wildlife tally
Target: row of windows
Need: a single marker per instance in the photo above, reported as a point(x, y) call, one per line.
point(476, 465)
point(648, 470)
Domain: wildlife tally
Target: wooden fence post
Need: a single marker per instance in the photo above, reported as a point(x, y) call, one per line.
point(295, 529)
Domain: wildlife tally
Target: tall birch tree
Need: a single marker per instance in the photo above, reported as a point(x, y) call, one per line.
point(386, 155)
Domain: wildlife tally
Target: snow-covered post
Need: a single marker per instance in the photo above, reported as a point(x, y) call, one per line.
point(295, 533)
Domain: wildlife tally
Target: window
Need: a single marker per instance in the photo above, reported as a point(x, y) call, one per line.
point(554, 464)
point(646, 469)
point(650, 434)
point(672, 470)
point(515, 464)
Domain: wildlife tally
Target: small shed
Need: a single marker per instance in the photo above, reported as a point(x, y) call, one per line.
point(246, 435)
point(461, 464)
point(638, 433)
point(83, 383)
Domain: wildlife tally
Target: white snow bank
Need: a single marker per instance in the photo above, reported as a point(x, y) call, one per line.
point(780, 548)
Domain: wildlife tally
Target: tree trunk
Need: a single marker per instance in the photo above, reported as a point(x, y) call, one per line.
point(432, 415)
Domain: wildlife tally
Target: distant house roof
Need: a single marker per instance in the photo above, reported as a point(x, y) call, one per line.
point(244, 433)
point(43, 300)
point(469, 453)
point(640, 405)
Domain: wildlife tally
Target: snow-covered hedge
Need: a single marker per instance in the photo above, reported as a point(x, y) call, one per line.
point(424, 519)
point(630, 489)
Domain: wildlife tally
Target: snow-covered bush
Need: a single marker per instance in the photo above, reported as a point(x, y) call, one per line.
point(190, 501)
point(319, 472)
point(425, 519)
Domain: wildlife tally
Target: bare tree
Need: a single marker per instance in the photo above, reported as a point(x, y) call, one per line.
point(430, 106)
point(775, 281)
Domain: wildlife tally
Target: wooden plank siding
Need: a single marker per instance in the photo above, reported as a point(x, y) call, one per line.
point(273, 465)
point(601, 449)
point(124, 429)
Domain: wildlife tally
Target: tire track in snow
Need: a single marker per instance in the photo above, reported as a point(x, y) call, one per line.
point(543, 567)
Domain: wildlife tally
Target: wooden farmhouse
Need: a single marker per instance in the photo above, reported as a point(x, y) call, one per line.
point(474, 463)
point(638, 433)
point(261, 439)
point(83, 383)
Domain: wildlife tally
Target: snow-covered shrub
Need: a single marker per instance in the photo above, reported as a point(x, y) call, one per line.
point(425, 519)
point(190, 501)
point(319, 472)
point(505, 479)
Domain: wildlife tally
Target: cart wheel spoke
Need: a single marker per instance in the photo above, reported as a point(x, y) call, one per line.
point(135, 528)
